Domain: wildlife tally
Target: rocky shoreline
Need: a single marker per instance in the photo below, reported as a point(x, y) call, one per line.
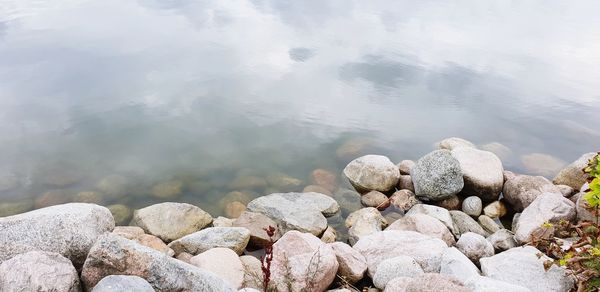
point(454, 220)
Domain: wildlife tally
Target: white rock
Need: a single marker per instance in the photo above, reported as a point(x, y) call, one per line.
point(39, 271)
point(472, 206)
point(234, 238)
point(548, 207)
point(524, 266)
point(436, 212)
point(474, 246)
point(364, 222)
point(426, 250)
point(121, 283)
point(482, 172)
point(424, 224)
point(223, 262)
point(352, 264)
point(485, 284)
point(454, 143)
point(456, 264)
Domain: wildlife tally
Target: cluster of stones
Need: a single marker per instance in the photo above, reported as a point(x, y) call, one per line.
point(430, 225)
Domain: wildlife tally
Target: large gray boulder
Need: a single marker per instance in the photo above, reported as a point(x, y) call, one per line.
point(304, 212)
point(424, 224)
point(456, 264)
point(69, 229)
point(170, 221)
point(482, 172)
point(524, 266)
point(121, 283)
point(548, 207)
point(572, 175)
point(372, 172)
point(437, 176)
point(520, 190)
point(234, 238)
point(377, 247)
point(115, 255)
point(39, 271)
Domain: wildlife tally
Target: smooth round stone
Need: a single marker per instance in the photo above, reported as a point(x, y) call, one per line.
point(502, 240)
point(223, 262)
point(372, 172)
point(489, 224)
point(400, 266)
point(520, 190)
point(364, 222)
point(121, 213)
point(495, 209)
point(424, 224)
point(437, 176)
point(375, 199)
point(170, 221)
point(472, 206)
point(474, 246)
point(573, 174)
point(482, 172)
point(167, 190)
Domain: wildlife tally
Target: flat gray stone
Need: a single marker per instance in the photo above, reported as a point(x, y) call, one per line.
point(485, 284)
point(170, 221)
point(304, 212)
point(548, 207)
point(372, 172)
point(234, 238)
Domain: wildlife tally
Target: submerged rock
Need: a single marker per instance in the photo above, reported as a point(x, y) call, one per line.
point(170, 221)
point(234, 238)
point(38, 271)
point(472, 206)
point(437, 176)
point(69, 229)
point(372, 172)
point(524, 266)
point(325, 179)
point(304, 212)
point(542, 164)
point(482, 172)
point(115, 255)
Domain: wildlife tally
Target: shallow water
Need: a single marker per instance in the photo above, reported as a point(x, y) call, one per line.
point(197, 93)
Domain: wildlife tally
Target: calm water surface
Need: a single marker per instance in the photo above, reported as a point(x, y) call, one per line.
point(209, 97)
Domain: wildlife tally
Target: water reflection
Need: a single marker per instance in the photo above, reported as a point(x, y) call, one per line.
point(194, 95)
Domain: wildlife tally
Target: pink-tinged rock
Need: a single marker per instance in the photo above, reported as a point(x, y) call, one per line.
point(424, 224)
point(303, 261)
point(353, 265)
point(325, 179)
point(224, 262)
point(426, 283)
point(38, 271)
point(115, 255)
point(548, 207)
point(129, 232)
point(426, 250)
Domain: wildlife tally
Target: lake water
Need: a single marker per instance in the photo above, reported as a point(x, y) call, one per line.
point(151, 100)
